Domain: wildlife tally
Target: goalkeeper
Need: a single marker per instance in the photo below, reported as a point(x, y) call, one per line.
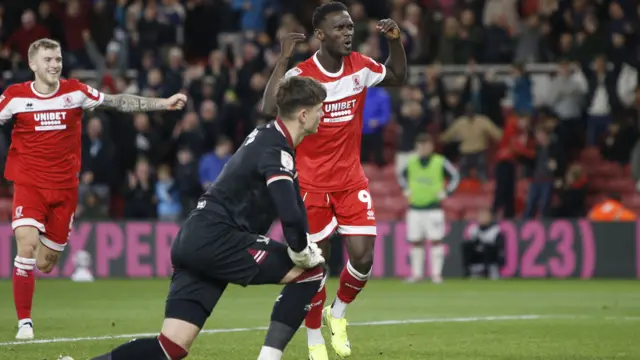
point(219, 244)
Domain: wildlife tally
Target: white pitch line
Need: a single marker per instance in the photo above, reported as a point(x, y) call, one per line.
point(262, 328)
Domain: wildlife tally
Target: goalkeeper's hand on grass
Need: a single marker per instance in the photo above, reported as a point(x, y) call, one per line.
point(308, 258)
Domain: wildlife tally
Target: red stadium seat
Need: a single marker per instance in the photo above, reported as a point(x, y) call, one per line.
point(380, 188)
point(631, 200)
point(372, 171)
point(489, 187)
point(605, 170)
point(389, 173)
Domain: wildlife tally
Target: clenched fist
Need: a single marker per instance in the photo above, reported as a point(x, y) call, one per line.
point(389, 28)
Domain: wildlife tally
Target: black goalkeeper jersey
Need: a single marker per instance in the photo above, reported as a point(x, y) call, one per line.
point(240, 196)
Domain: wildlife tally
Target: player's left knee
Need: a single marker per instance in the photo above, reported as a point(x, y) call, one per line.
point(47, 259)
point(315, 274)
point(362, 262)
point(360, 250)
point(44, 266)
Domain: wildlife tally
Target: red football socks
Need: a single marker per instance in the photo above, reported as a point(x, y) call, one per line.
point(314, 317)
point(351, 284)
point(23, 286)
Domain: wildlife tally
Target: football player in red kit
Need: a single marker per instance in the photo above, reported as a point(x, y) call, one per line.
point(333, 184)
point(44, 162)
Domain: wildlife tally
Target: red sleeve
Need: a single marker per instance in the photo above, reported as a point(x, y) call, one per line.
point(92, 97)
point(374, 72)
point(5, 106)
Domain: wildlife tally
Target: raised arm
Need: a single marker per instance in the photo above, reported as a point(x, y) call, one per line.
point(288, 42)
point(396, 63)
point(133, 103)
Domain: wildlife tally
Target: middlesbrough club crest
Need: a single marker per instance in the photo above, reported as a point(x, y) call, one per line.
point(357, 85)
point(68, 102)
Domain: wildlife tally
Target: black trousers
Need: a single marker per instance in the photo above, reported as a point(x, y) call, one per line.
point(505, 193)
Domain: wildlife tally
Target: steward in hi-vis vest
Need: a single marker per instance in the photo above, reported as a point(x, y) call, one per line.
point(424, 182)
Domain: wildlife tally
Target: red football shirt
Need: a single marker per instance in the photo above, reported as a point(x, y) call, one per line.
point(330, 160)
point(46, 139)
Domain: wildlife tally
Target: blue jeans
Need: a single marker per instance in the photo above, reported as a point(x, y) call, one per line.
point(596, 125)
point(539, 197)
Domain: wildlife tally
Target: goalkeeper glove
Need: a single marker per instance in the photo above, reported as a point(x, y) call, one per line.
point(308, 258)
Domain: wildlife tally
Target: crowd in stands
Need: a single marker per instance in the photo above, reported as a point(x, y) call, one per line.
point(220, 52)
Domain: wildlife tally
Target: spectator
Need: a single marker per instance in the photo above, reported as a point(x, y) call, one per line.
point(600, 86)
point(449, 42)
point(187, 180)
point(567, 99)
point(102, 24)
point(572, 193)
point(504, 10)
point(529, 41)
point(150, 30)
point(97, 162)
point(498, 44)
point(75, 21)
point(145, 139)
point(567, 48)
point(188, 134)
point(91, 208)
point(515, 145)
point(210, 123)
point(591, 41)
point(377, 113)
point(474, 132)
point(30, 31)
point(520, 90)
point(413, 121)
point(452, 102)
point(52, 23)
point(485, 93)
point(618, 143)
point(113, 64)
point(139, 195)
point(361, 27)
point(545, 165)
point(168, 195)
point(211, 163)
point(251, 14)
point(173, 78)
point(470, 37)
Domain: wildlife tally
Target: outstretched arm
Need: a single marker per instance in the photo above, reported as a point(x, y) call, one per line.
point(397, 61)
point(288, 42)
point(133, 103)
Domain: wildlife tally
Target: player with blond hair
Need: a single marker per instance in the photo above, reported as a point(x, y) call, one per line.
point(44, 162)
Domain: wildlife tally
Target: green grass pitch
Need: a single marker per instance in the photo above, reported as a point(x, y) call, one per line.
point(457, 320)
